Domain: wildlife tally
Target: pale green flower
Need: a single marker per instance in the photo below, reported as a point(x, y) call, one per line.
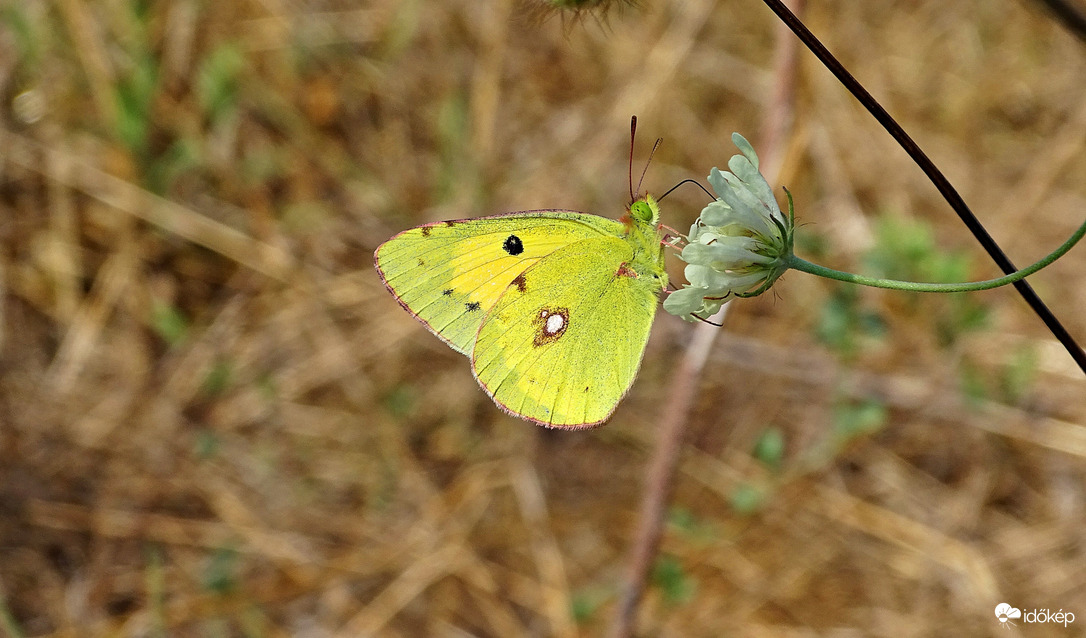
point(740, 244)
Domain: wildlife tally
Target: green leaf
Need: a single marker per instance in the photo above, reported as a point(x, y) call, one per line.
point(27, 43)
point(769, 449)
point(971, 382)
point(135, 96)
point(1020, 372)
point(181, 157)
point(682, 518)
point(220, 573)
point(168, 322)
point(843, 324)
point(858, 418)
point(676, 585)
point(217, 378)
point(585, 603)
point(206, 446)
point(746, 499)
point(217, 81)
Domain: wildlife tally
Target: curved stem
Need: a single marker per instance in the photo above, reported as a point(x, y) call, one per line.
point(914, 286)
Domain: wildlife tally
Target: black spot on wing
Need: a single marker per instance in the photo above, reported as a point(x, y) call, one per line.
point(447, 292)
point(472, 306)
point(425, 231)
point(513, 245)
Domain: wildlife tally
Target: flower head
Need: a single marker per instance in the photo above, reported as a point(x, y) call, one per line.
point(739, 245)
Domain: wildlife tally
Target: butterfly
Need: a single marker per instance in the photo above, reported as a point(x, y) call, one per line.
point(553, 307)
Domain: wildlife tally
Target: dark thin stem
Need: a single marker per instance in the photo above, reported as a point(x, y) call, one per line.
point(934, 174)
point(1070, 16)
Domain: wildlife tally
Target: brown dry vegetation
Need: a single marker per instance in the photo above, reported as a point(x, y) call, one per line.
point(214, 420)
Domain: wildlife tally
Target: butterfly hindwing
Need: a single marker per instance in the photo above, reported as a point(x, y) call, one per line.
point(451, 274)
point(562, 345)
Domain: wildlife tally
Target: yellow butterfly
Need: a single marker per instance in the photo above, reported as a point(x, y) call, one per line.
point(553, 307)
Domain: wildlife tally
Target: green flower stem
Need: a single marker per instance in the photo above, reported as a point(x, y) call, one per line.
point(912, 286)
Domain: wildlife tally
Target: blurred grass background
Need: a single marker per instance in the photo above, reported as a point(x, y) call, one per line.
point(214, 420)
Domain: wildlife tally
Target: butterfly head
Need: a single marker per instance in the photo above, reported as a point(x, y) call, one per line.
point(644, 211)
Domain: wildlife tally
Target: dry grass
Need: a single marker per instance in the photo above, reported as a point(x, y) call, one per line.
point(214, 421)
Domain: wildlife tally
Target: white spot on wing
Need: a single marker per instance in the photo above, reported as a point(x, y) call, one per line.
point(555, 323)
point(550, 325)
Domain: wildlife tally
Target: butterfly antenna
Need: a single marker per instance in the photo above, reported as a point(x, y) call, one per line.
point(692, 181)
point(633, 133)
point(646, 169)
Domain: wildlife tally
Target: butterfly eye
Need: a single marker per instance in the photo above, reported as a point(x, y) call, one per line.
point(641, 211)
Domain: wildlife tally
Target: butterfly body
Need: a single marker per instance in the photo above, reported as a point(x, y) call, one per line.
point(552, 307)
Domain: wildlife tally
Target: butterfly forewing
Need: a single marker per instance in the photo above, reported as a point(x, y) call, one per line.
point(450, 274)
